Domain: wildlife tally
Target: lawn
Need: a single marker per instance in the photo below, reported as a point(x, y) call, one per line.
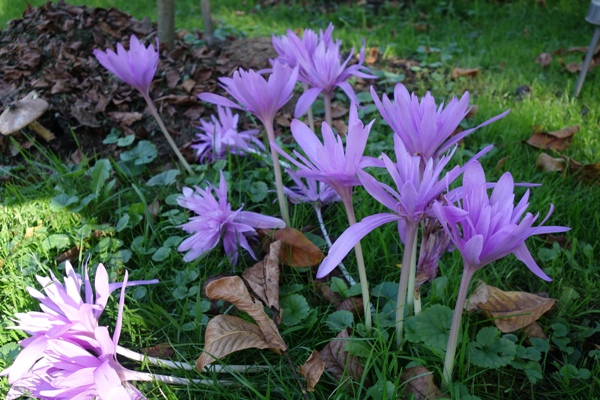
point(124, 214)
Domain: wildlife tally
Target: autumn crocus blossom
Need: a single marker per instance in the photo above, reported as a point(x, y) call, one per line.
point(135, 66)
point(69, 355)
point(323, 70)
point(288, 46)
point(215, 220)
point(220, 137)
point(310, 191)
point(424, 127)
point(484, 229)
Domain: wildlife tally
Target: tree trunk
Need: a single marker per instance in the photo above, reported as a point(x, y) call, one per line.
point(208, 28)
point(166, 22)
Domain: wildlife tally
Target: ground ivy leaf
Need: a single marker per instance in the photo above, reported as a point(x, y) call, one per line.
point(57, 241)
point(165, 178)
point(161, 254)
point(490, 350)
point(338, 286)
point(339, 320)
point(62, 200)
point(433, 325)
point(123, 222)
point(540, 344)
point(100, 172)
point(389, 290)
point(295, 309)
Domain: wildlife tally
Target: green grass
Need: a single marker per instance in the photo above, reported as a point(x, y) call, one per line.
point(501, 38)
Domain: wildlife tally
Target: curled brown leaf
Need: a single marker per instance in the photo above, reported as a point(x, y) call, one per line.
point(263, 277)
point(312, 370)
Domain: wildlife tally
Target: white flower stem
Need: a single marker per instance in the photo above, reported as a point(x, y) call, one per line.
point(341, 266)
point(163, 128)
point(411, 237)
point(412, 277)
point(309, 113)
point(360, 261)
point(172, 380)
point(277, 170)
point(455, 327)
point(327, 106)
point(132, 355)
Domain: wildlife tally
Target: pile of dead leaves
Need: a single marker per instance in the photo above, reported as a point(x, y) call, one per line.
point(50, 50)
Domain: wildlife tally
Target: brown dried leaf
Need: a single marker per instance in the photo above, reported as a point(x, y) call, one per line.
point(340, 126)
point(312, 370)
point(511, 310)
point(371, 55)
point(549, 164)
point(338, 111)
point(420, 383)
point(233, 290)
point(297, 250)
point(161, 350)
point(328, 294)
point(557, 140)
point(226, 334)
point(544, 59)
point(172, 78)
point(352, 304)
point(263, 277)
point(71, 255)
point(338, 362)
point(468, 72)
point(188, 84)
point(534, 330)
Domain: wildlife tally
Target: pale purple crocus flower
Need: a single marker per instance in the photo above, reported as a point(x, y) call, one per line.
point(424, 127)
point(309, 190)
point(135, 66)
point(69, 356)
point(263, 98)
point(336, 165)
point(289, 45)
point(409, 203)
point(484, 229)
point(219, 137)
point(215, 221)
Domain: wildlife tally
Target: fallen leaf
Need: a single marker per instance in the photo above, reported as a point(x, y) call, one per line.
point(338, 362)
point(352, 304)
point(161, 350)
point(472, 111)
point(419, 383)
point(468, 72)
point(297, 250)
point(126, 118)
point(534, 330)
point(263, 277)
point(340, 126)
point(188, 84)
point(328, 294)
point(510, 310)
point(233, 290)
point(312, 370)
point(338, 111)
point(31, 230)
point(372, 55)
point(76, 157)
point(547, 163)
point(71, 255)
point(557, 140)
point(544, 59)
point(226, 334)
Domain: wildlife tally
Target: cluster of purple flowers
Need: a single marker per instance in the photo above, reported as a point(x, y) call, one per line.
point(68, 354)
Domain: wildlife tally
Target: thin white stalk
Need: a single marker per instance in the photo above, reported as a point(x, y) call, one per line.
point(341, 266)
point(163, 128)
point(283, 208)
point(412, 277)
point(455, 327)
point(132, 355)
point(411, 237)
point(309, 113)
point(172, 380)
point(360, 262)
point(327, 105)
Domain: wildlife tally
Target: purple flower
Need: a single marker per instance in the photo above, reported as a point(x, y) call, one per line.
point(425, 128)
point(135, 67)
point(289, 45)
point(323, 70)
point(331, 162)
point(409, 204)
point(68, 355)
point(485, 229)
point(216, 220)
point(314, 192)
point(261, 97)
point(220, 137)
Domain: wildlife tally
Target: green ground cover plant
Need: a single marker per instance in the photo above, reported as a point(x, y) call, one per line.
point(124, 213)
